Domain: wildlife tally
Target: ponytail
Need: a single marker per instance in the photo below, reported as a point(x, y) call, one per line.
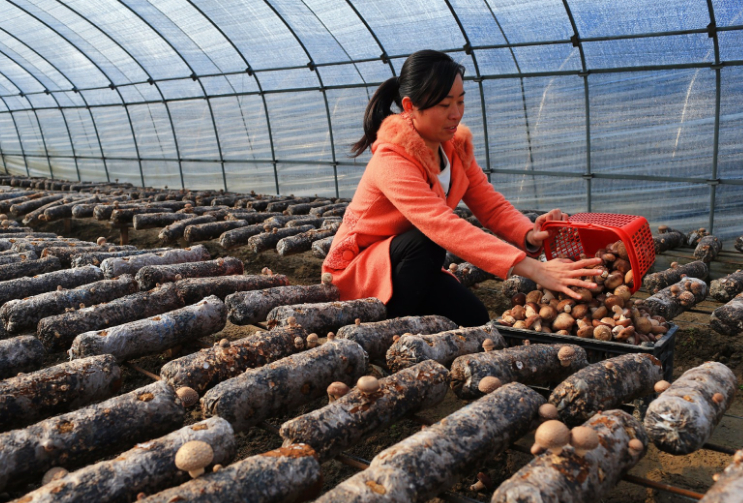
point(379, 107)
point(426, 78)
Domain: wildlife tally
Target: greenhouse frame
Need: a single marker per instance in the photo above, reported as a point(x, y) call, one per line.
point(624, 107)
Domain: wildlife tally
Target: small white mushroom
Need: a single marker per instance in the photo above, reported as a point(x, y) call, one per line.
point(488, 384)
point(326, 278)
point(336, 390)
point(193, 457)
point(53, 474)
point(188, 396)
point(367, 384)
point(583, 439)
point(552, 435)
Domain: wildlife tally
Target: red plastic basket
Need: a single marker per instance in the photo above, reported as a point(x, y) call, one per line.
point(585, 233)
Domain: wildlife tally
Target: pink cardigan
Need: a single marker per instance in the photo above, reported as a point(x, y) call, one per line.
point(400, 190)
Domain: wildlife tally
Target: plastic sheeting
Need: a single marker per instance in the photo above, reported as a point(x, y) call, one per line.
point(588, 105)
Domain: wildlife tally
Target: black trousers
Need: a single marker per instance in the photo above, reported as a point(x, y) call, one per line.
point(420, 287)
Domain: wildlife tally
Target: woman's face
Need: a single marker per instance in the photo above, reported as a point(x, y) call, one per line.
point(439, 123)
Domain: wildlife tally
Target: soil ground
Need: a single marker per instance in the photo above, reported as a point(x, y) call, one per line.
point(695, 343)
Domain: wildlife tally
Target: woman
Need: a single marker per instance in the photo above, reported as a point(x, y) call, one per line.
point(391, 244)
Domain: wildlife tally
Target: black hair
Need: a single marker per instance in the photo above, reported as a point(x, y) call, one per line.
point(426, 78)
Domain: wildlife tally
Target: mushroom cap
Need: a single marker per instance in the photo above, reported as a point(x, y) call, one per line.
point(298, 343)
point(661, 386)
point(488, 344)
point(552, 434)
point(566, 355)
point(188, 396)
point(326, 278)
point(718, 398)
point(312, 339)
point(53, 474)
point(584, 438)
point(488, 384)
point(194, 455)
point(636, 445)
point(367, 384)
point(100, 241)
point(338, 389)
point(548, 411)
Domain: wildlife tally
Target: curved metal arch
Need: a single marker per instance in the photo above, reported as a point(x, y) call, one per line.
point(201, 85)
point(521, 82)
point(384, 56)
point(478, 79)
point(577, 43)
point(350, 59)
point(260, 90)
point(141, 67)
point(64, 118)
point(311, 64)
point(41, 131)
point(712, 30)
point(126, 109)
point(18, 134)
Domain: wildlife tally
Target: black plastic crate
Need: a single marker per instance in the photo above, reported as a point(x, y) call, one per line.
point(596, 350)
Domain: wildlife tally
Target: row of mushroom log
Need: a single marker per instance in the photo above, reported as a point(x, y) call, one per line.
point(71, 425)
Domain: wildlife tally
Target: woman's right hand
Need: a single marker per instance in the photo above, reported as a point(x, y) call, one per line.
point(559, 274)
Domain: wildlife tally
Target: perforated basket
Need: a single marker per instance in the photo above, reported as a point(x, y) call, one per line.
point(585, 233)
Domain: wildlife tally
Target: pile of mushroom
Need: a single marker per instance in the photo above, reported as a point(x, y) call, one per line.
point(606, 312)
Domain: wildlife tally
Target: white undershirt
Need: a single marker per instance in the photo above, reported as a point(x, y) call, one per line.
point(445, 174)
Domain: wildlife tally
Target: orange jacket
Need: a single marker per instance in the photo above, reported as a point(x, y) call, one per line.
point(400, 190)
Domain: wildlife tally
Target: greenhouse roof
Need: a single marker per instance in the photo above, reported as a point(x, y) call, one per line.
point(632, 107)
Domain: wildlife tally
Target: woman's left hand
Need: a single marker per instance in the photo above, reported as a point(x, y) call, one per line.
point(536, 236)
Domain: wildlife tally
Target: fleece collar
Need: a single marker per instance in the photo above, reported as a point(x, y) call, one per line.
point(398, 131)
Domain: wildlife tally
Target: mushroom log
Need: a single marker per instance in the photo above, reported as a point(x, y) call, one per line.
point(708, 248)
point(684, 416)
point(194, 289)
point(68, 278)
point(20, 354)
point(729, 484)
point(605, 385)
point(175, 230)
point(29, 268)
point(350, 418)
point(58, 332)
point(24, 314)
point(728, 319)
point(442, 347)
point(302, 242)
point(283, 385)
point(87, 434)
point(532, 364)
point(113, 267)
point(377, 337)
point(725, 289)
point(675, 299)
point(288, 474)
point(426, 463)
point(150, 276)
point(245, 308)
point(155, 334)
point(577, 476)
point(324, 317)
point(659, 280)
point(266, 240)
point(205, 369)
point(89, 256)
point(146, 468)
point(68, 386)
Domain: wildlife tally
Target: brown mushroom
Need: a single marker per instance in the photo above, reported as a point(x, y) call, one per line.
point(600, 312)
point(635, 446)
point(299, 343)
point(534, 296)
point(488, 345)
point(547, 313)
point(518, 312)
point(548, 411)
point(613, 280)
point(312, 340)
point(100, 241)
point(585, 294)
point(193, 457)
point(483, 482)
point(583, 439)
point(552, 435)
point(565, 305)
point(563, 322)
point(585, 332)
point(718, 398)
point(326, 278)
point(602, 333)
point(622, 265)
point(566, 355)
point(488, 384)
point(188, 396)
point(661, 386)
point(623, 291)
point(330, 336)
point(367, 384)
point(336, 390)
point(519, 299)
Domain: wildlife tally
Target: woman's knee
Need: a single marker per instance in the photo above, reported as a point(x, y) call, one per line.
point(414, 245)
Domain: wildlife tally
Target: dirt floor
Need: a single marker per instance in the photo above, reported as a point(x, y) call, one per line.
point(695, 343)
